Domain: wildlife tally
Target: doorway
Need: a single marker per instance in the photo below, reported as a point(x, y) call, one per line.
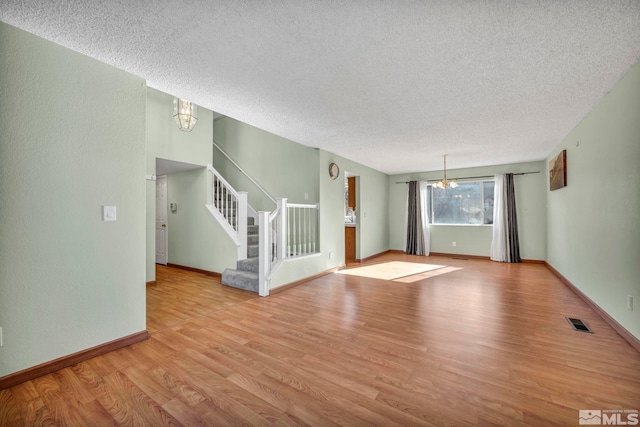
point(165, 168)
point(161, 220)
point(351, 219)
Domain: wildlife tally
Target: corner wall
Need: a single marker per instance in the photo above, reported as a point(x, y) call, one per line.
point(372, 237)
point(476, 240)
point(593, 234)
point(195, 238)
point(166, 141)
point(288, 169)
point(72, 139)
point(282, 167)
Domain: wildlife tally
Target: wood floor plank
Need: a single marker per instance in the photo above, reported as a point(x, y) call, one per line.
point(185, 414)
point(24, 392)
point(222, 397)
point(114, 404)
point(60, 408)
point(149, 384)
point(141, 404)
point(74, 389)
point(479, 343)
point(9, 410)
point(94, 414)
point(35, 413)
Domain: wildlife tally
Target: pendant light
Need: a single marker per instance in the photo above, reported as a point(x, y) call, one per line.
point(445, 183)
point(186, 114)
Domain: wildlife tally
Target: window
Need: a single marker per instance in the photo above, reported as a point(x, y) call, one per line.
point(470, 203)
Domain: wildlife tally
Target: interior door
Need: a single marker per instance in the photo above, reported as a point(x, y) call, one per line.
point(161, 220)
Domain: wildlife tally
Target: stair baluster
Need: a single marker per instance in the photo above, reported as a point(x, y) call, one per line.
point(290, 231)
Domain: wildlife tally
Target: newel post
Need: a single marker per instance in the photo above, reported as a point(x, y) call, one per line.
point(264, 263)
point(241, 218)
point(281, 229)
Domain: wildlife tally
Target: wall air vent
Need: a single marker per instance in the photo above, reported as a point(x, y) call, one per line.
point(578, 325)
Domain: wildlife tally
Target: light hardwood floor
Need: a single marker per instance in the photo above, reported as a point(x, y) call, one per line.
point(478, 343)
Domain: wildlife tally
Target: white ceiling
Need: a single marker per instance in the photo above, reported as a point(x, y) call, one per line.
point(391, 84)
point(165, 167)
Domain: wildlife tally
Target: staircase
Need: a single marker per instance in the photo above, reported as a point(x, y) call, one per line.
point(264, 240)
point(245, 275)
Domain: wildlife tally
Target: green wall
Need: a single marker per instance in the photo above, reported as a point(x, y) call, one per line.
point(282, 167)
point(166, 141)
point(72, 139)
point(372, 198)
point(476, 240)
point(195, 237)
point(288, 169)
point(594, 222)
point(372, 233)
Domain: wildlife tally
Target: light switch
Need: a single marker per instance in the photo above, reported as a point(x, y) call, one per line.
point(108, 213)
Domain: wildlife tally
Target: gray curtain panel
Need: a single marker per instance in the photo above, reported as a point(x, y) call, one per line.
point(415, 234)
point(513, 243)
point(505, 246)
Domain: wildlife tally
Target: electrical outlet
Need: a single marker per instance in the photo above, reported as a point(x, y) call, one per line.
point(330, 255)
point(108, 213)
point(630, 302)
point(453, 244)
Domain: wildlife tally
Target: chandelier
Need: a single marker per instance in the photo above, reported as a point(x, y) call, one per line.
point(445, 183)
point(186, 114)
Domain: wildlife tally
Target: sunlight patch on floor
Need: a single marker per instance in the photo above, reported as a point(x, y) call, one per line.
point(426, 275)
point(391, 270)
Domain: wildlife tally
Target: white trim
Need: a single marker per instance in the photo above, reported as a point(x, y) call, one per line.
point(299, 205)
point(281, 230)
point(165, 208)
point(264, 283)
point(232, 190)
point(241, 221)
point(223, 223)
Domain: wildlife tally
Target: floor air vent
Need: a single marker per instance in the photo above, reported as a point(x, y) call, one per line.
point(578, 325)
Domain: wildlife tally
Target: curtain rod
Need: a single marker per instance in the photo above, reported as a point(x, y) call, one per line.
point(470, 177)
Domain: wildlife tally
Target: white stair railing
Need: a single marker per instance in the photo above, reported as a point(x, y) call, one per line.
point(302, 229)
point(230, 208)
point(290, 231)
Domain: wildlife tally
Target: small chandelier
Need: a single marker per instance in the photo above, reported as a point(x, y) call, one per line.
point(186, 114)
point(444, 183)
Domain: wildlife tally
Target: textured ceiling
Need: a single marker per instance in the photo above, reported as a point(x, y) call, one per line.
point(391, 84)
